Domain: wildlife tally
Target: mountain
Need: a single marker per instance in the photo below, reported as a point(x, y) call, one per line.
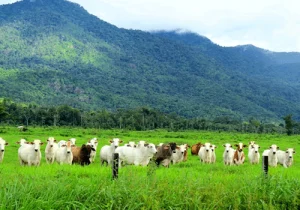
point(54, 52)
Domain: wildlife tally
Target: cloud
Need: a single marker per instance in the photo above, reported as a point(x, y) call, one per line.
point(270, 24)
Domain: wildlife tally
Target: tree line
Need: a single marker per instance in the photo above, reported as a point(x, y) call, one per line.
point(139, 119)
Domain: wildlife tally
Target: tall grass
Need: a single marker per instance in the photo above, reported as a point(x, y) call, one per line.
point(188, 185)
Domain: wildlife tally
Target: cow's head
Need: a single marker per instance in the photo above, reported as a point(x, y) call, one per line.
point(240, 146)
point(115, 142)
point(289, 152)
point(37, 144)
point(227, 147)
point(274, 148)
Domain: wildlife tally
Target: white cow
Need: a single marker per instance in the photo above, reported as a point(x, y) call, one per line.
point(50, 150)
point(253, 154)
point(62, 142)
point(228, 154)
point(179, 154)
point(64, 154)
point(285, 158)
point(22, 142)
point(205, 153)
point(73, 141)
point(213, 153)
point(130, 144)
point(271, 153)
point(94, 144)
point(160, 144)
point(30, 154)
point(107, 151)
point(136, 155)
point(3, 143)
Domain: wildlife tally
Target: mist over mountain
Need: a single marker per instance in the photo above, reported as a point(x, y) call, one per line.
point(54, 52)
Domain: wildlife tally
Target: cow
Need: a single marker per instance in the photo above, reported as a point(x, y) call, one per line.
point(164, 153)
point(228, 154)
point(50, 150)
point(285, 158)
point(136, 155)
point(62, 142)
point(22, 142)
point(178, 156)
point(30, 154)
point(64, 154)
point(3, 143)
point(239, 156)
point(253, 154)
point(130, 144)
point(73, 140)
point(213, 153)
point(94, 144)
point(81, 155)
point(205, 153)
point(185, 155)
point(271, 153)
point(107, 151)
point(195, 148)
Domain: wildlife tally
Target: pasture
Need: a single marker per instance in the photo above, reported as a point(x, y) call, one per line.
point(187, 185)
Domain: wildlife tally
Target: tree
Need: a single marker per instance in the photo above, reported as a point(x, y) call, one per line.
point(288, 124)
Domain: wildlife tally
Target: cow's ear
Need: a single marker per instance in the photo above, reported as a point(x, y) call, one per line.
point(216, 147)
point(244, 145)
point(121, 141)
point(17, 142)
point(236, 145)
point(110, 141)
point(224, 145)
point(259, 147)
point(277, 147)
point(294, 150)
point(41, 143)
point(6, 143)
point(73, 145)
point(54, 140)
point(31, 143)
point(177, 147)
point(270, 147)
point(63, 145)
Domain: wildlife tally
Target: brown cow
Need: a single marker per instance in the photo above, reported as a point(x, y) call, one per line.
point(164, 153)
point(82, 154)
point(195, 148)
point(185, 152)
point(239, 156)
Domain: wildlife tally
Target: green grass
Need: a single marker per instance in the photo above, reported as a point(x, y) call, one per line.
point(188, 185)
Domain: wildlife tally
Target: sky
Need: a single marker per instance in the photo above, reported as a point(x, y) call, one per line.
point(268, 24)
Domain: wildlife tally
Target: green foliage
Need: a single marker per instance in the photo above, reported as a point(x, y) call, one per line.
point(288, 124)
point(67, 56)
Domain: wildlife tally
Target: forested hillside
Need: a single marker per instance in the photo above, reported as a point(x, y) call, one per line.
point(54, 52)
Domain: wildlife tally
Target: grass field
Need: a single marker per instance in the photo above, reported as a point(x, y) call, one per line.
point(188, 185)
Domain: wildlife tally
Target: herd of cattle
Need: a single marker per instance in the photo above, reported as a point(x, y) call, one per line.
point(66, 152)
